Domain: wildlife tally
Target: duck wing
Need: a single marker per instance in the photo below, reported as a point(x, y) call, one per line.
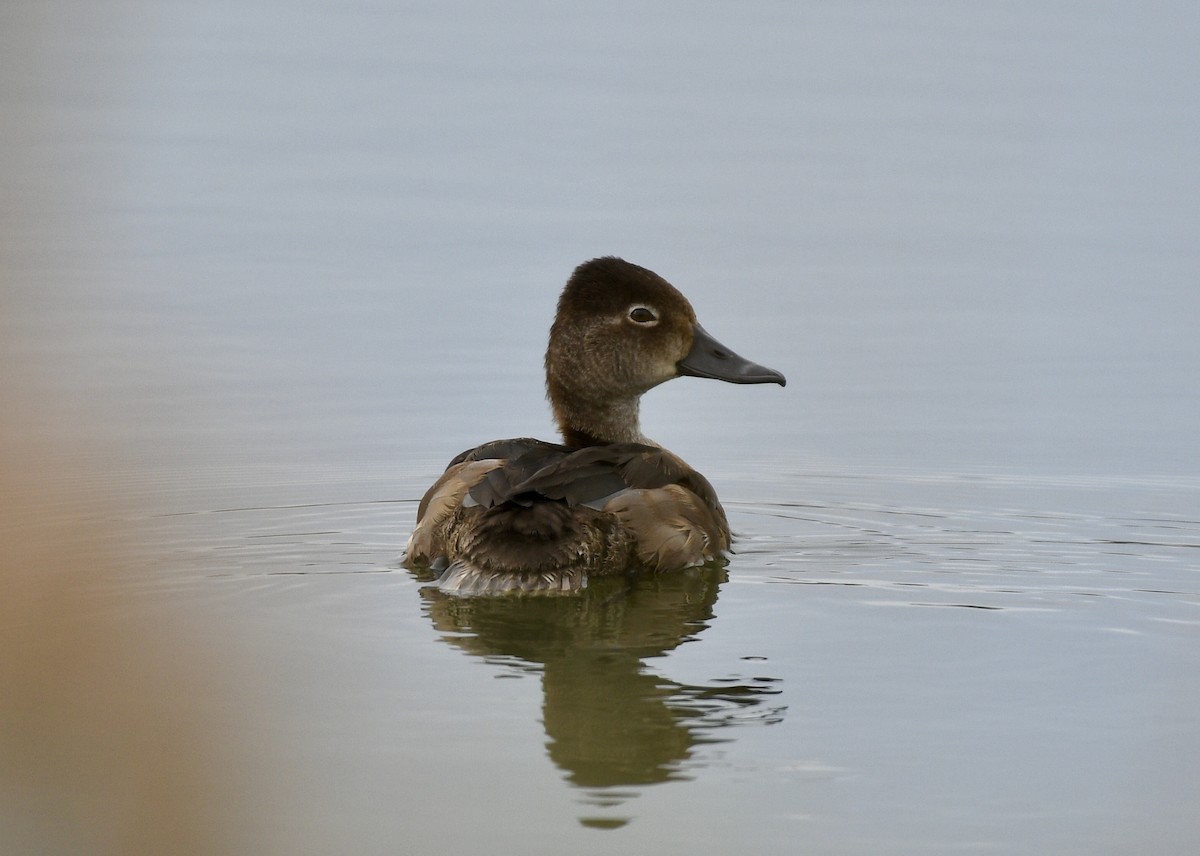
point(519, 458)
point(592, 475)
point(532, 469)
point(671, 510)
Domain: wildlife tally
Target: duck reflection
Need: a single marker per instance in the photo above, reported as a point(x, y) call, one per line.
point(610, 721)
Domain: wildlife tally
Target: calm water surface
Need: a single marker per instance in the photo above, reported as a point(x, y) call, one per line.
point(272, 265)
point(892, 662)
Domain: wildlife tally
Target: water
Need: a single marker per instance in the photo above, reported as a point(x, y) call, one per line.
point(269, 267)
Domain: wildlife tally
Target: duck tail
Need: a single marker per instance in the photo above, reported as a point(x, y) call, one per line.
point(465, 578)
point(538, 546)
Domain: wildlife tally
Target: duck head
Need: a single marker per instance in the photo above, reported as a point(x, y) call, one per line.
point(619, 331)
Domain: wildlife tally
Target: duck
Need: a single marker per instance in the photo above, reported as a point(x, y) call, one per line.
point(529, 516)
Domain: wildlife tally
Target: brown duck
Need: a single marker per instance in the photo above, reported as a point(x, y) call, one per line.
point(527, 515)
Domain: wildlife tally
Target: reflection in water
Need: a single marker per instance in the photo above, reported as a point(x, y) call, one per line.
point(610, 721)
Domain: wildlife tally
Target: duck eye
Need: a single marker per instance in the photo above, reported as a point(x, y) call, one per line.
point(642, 315)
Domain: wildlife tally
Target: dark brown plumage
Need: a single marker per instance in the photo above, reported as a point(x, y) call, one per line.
point(527, 515)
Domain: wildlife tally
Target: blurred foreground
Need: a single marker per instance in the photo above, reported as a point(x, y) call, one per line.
point(115, 730)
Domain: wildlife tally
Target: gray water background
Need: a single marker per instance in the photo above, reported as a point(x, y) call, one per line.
point(280, 262)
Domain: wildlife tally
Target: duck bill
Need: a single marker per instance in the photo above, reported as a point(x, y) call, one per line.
point(709, 358)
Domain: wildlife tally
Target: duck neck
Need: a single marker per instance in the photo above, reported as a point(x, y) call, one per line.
point(589, 422)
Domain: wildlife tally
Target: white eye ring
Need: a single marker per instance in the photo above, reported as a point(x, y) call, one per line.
point(644, 315)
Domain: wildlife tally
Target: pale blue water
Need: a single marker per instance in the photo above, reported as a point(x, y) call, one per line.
point(283, 261)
